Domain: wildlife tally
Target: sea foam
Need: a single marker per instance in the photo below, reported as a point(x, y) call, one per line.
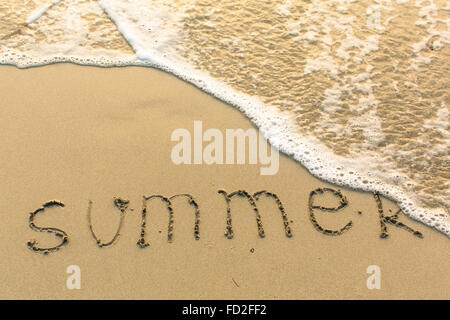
point(356, 91)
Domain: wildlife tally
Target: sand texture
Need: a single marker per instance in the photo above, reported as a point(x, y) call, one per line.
point(99, 139)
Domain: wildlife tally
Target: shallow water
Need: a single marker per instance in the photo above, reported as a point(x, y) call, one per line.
point(357, 91)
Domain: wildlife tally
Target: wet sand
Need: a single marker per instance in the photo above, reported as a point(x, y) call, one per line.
point(79, 134)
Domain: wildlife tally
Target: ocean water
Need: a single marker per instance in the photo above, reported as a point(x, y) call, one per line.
point(355, 90)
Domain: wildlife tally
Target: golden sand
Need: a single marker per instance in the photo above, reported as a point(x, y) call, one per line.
point(80, 134)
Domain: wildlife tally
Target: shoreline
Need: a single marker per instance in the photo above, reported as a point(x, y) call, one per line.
point(436, 218)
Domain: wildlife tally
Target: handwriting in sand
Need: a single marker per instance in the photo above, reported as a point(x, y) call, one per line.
point(122, 205)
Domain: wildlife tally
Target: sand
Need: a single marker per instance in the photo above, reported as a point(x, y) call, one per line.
point(78, 134)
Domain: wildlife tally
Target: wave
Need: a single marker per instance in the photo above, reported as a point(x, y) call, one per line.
point(356, 91)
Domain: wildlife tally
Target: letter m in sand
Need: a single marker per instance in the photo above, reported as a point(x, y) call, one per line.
point(142, 243)
point(252, 200)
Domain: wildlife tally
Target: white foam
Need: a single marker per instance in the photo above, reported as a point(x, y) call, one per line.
point(152, 28)
point(36, 14)
point(284, 9)
point(281, 129)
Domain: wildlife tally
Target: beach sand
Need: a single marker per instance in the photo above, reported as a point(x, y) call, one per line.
point(76, 134)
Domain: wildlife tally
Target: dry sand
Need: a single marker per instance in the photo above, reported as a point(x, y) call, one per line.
point(76, 134)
